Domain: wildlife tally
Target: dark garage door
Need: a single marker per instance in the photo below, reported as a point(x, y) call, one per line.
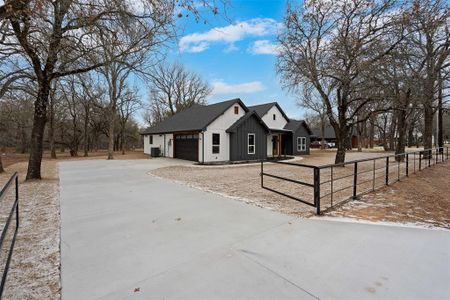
point(186, 146)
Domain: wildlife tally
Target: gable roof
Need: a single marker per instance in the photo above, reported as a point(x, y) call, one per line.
point(295, 124)
point(235, 126)
point(263, 109)
point(195, 118)
point(329, 132)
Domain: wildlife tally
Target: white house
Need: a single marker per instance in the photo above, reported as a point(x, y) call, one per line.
point(225, 131)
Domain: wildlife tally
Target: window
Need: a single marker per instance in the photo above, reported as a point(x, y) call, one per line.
point(150, 139)
point(251, 143)
point(274, 117)
point(301, 144)
point(215, 143)
point(236, 110)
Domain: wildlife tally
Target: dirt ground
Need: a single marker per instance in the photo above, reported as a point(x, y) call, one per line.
point(35, 265)
point(243, 182)
point(423, 198)
point(34, 272)
point(9, 158)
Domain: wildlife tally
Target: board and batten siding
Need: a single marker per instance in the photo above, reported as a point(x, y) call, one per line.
point(239, 141)
point(301, 132)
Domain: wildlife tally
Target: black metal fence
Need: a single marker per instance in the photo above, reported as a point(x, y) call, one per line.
point(326, 186)
point(10, 216)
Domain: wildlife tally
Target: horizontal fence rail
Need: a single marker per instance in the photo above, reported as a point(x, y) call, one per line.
point(334, 184)
point(13, 214)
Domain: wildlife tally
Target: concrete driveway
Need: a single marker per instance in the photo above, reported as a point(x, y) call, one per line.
point(128, 235)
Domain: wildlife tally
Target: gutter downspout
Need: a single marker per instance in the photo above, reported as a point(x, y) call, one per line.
point(164, 145)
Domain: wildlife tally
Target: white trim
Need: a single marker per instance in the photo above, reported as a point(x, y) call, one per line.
point(248, 143)
point(301, 143)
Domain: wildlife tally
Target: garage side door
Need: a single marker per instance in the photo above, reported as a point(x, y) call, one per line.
point(186, 146)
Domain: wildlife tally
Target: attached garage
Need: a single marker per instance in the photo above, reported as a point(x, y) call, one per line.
point(186, 146)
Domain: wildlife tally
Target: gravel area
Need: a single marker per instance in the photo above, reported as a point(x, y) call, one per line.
point(243, 182)
point(35, 265)
point(422, 198)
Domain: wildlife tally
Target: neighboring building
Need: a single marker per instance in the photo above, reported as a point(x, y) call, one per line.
point(330, 136)
point(228, 131)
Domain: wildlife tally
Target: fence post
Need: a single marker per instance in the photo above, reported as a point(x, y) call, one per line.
point(17, 199)
point(437, 156)
point(420, 161)
point(407, 165)
point(355, 180)
point(317, 189)
point(262, 176)
point(430, 153)
point(387, 170)
point(447, 152)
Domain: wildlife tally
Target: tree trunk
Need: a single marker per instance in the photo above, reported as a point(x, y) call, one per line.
point(51, 132)
point(1, 164)
point(86, 127)
point(341, 144)
point(440, 129)
point(401, 124)
point(111, 134)
point(322, 132)
point(411, 135)
point(37, 133)
point(23, 139)
point(392, 132)
point(122, 141)
point(428, 127)
point(63, 149)
point(371, 133)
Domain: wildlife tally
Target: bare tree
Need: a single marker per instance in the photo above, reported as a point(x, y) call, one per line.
point(312, 101)
point(128, 105)
point(429, 35)
point(173, 89)
point(333, 45)
point(59, 38)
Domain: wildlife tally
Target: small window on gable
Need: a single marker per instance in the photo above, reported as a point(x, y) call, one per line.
point(150, 138)
point(236, 110)
point(215, 143)
point(274, 117)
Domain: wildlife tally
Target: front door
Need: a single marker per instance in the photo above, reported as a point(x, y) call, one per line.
point(275, 142)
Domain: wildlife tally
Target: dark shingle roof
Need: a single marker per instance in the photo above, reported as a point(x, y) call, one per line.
point(294, 124)
point(195, 118)
point(248, 115)
point(262, 109)
point(329, 132)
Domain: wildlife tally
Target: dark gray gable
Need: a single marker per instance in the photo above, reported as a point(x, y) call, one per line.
point(195, 118)
point(295, 124)
point(251, 114)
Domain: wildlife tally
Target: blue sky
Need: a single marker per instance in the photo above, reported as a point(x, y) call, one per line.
point(237, 54)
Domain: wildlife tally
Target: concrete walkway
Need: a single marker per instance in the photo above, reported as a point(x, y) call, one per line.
point(128, 235)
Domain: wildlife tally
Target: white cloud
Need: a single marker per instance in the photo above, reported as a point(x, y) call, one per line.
point(264, 47)
point(230, 34)
point(221, 87)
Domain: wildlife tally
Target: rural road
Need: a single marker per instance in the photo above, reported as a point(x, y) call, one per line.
point(128, 235)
